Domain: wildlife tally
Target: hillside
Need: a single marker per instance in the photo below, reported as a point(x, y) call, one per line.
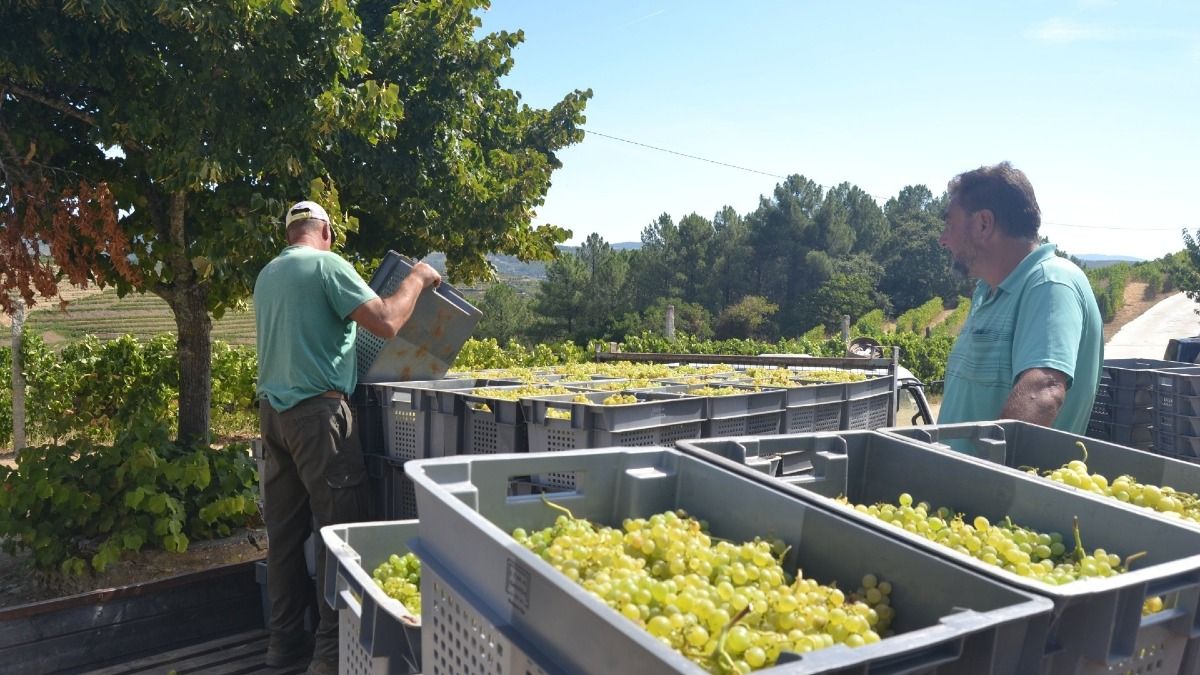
point(107, 316)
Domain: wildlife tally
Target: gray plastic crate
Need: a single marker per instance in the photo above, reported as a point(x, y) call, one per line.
point(751, 412)
point(377, 635)
point(392, 494)
point(427, 344)
point(656, 420)
point(1178, 381)
point(1183, 448)
point(1179, 425)
point(461, 636)
point(1020, 445)
point(1133, 435)
point(870, 412)
point(1173, 404)
point(1107, 412)
point(1136, 372)
point(421, 419)
point(1133, 397)
point(949, 620)
point(1097, 625)
point(813, 407)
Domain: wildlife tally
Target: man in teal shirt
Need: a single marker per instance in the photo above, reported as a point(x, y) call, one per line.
point(308, 304)
point(1032, 347)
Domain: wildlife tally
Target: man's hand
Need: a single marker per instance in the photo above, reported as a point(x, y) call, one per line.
point(427, 275)
point(1036, 396)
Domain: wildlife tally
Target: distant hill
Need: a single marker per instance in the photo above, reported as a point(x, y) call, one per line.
point(506, 266)
point(1098, 260)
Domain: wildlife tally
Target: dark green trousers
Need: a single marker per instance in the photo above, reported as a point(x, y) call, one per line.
point(314, 476)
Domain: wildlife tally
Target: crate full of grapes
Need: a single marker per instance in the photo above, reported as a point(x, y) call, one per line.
point(1125, 583)
point(662, 562)
point(373, 580)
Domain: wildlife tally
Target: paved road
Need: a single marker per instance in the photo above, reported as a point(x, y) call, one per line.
point(1147, 335)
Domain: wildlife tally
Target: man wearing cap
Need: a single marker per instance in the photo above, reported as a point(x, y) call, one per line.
point(308, 303)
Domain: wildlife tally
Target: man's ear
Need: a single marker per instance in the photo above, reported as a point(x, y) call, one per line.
point(985, 221)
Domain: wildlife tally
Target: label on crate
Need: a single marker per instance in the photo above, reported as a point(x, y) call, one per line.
point(516, 584)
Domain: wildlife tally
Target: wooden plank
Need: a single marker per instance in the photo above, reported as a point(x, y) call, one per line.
point(241, 654)
point(255, 638)
point(136, 625)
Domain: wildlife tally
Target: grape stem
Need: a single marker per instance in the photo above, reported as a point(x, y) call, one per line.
point(1084, 449)
point(1079, 552)
point(557, 507)
point(1133, 557)
point(724, 660)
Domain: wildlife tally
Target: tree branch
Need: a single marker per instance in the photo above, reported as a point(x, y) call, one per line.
point(60, 106)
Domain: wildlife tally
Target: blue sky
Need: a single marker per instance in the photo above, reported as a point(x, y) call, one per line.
point(1098, 101)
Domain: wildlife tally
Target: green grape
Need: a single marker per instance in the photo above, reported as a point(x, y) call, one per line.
point(400, 578)
point(727, 606)
point(1163, 499)
point(1020, 550)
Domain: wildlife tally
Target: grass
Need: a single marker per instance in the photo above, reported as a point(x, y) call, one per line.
point(144, 316)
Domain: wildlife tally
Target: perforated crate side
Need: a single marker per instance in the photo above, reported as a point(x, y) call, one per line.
point(743, 425)
point(1186, 448)
point(402, 432)
point(1135, 435)
point(460, 639)
point(483, 435)
point(867, 413)
point(1107, 412)
point(808, 418)
point(1179, 425)
point(353, 659)
point(555, 435)
point(1110, 393)
point(1178, 381)
point(1177, 404)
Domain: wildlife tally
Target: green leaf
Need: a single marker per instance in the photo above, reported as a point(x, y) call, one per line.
point(134, 498)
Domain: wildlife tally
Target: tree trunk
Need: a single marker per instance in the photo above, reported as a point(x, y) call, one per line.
point(188, 298)
point(194, 348)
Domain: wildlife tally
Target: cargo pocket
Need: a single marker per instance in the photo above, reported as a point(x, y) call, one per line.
point(345, 472)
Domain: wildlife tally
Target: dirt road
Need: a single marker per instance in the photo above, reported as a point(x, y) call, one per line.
point(1147, 335)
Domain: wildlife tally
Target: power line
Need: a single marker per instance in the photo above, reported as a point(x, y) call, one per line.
point(878, 198)
point(684, 154)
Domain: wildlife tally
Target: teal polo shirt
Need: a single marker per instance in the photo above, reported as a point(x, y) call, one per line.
point(302, 305)
point(1043, 315)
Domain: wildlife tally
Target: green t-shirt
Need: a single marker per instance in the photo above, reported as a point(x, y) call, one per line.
point(302, 303)
point(1043, 315)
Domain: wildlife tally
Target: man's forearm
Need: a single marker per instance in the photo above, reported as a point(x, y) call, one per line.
point(1036, 397)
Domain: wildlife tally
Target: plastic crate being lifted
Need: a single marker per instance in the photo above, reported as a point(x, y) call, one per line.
point(426, 345)
point(377, 634)
point(948, 620)
point(1097, 625)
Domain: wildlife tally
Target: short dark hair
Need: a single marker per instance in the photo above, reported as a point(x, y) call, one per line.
point(1004, 191)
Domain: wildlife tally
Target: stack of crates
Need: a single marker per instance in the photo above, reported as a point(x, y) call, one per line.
point(1177, 408)
point(401, 421)
point(1124, 410)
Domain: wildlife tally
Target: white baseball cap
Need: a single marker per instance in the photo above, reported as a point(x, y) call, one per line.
point(302, 210)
